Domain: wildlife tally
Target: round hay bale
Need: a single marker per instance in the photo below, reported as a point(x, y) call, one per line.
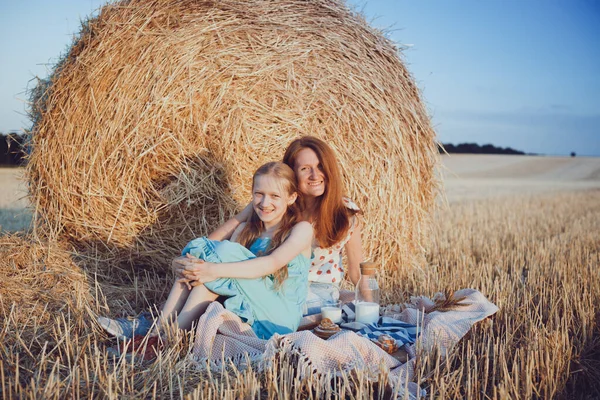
point(150, 128)
point(39, 285)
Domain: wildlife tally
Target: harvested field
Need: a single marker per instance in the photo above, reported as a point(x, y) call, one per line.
point(14, 215)
point(470, 176)
point(465, 177)
point(14, 190)
point(532, 249)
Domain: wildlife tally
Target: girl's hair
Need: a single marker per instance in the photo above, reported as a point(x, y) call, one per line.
point(255, 227)
point(332, 217)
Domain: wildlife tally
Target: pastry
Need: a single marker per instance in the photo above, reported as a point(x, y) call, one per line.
point(387, 343)
point(326, 329)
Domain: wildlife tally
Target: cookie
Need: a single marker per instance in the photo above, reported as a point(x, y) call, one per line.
point(326, 329)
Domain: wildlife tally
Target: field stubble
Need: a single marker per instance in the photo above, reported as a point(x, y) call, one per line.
point(536, 257)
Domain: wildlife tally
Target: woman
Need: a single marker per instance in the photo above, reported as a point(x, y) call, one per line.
point(334, 219)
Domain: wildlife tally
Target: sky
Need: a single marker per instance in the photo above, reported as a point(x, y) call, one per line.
point(513, 73)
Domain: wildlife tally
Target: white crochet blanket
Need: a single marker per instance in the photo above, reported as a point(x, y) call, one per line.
point(222, 336)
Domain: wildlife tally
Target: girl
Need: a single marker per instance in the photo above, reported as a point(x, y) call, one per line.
point(334, 219)
point(262, 271)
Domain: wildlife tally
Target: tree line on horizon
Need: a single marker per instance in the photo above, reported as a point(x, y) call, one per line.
point(474, 148)
point(12, 149)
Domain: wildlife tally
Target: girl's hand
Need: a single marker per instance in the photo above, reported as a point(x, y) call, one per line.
point(189, 283)
point(186, 282)
point(180, 263)
point(200, 273)
point(176, 267)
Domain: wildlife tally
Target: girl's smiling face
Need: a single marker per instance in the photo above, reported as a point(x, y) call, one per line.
point(270, 200)
point(309, 172)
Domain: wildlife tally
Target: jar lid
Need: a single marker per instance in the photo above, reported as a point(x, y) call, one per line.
point(368, 268)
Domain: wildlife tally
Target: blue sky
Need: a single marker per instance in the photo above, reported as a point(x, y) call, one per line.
point(518, 73)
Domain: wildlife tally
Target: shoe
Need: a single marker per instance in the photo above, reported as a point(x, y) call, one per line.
point(127, 328)
point(140, 348)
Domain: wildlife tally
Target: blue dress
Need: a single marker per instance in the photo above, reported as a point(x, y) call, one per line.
point(256, 301)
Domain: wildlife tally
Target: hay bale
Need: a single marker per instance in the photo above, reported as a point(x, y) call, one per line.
point(148, 131)
point(39, 285)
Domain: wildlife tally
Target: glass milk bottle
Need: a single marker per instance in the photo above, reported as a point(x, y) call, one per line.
point(367, 294)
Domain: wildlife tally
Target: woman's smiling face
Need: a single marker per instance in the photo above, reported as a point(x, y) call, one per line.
point(270, 200)
point(309, 172)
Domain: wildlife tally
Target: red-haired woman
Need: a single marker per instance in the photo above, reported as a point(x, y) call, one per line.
point(334, 219)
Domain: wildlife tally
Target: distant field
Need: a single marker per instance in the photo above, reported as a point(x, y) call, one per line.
point(465, 177)
point(472, 176)
point(14, 215)
point(13, 190)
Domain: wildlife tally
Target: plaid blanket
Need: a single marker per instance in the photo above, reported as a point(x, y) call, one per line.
point(403, 332)
point(223, 337)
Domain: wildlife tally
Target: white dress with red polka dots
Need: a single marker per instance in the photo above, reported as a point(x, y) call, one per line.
point(326, 264)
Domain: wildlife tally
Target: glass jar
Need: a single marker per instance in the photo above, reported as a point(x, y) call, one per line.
point(367, 294)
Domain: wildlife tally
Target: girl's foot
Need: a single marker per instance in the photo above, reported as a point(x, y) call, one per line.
point(127, 328)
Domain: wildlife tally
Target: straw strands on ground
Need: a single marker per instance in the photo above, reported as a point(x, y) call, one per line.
point(39, 285)
point(148, 131)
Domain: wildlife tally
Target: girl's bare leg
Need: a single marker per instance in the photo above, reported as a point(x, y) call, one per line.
point(197, 302)
point(177, 297)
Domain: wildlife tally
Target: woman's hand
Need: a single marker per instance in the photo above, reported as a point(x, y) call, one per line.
point(226, 230)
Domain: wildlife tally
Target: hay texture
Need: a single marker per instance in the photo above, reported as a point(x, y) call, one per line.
point(40, 286)
point(149, 130)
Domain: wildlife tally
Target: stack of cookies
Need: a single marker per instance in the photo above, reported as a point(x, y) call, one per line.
point(326, 329)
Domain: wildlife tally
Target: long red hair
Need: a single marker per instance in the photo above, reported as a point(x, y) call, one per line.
point(255, 227)
point(332, 217)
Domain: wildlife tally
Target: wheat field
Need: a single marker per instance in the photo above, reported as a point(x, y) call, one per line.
point(530, 244)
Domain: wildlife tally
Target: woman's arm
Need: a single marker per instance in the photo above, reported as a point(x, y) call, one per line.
point(225, 231)
point(298, 241)
point(354, 252)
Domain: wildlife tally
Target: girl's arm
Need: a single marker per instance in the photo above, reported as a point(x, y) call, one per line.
point(354, 252)
point(237, 232)
point(178, 265)
point(225, 231)
point(298, 241)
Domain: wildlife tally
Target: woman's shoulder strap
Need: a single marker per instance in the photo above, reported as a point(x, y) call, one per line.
point(350, 204)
